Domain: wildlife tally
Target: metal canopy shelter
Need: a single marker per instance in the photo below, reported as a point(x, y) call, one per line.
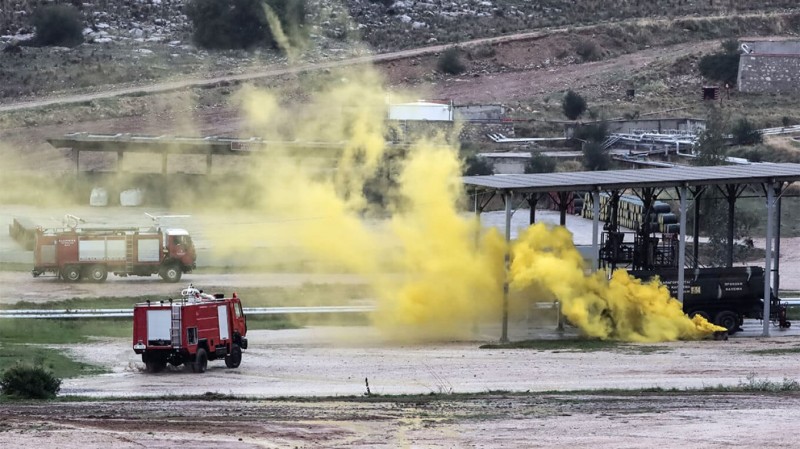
point(166, 145)
point(770, 176)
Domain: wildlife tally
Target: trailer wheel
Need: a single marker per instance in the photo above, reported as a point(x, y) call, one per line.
point(98, 273)
point(200, 361)
point(171, 273)
point(71, 273)
point(234, 359)
point(728, 320)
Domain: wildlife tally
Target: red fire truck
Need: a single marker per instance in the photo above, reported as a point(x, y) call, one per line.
point(74, 253)
point(192, 330)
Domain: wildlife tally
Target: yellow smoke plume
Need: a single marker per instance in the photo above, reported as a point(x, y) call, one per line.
point(277, 32)
point(434, 273)
point(451, 275)
point(622, 308)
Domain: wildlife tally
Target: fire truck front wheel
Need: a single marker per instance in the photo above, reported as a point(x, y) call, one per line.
point(71, 273)
point(234, 359)
point(200, 361)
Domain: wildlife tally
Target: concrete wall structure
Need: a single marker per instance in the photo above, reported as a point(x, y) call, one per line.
point(489, 112)
point(772, 47)
point(507, 163)
point(769, 73)
point(769, 66)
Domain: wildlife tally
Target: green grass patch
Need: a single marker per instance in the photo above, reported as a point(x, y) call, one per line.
point(776, 351)
point(18, 331)
point(45, 331)
point(303, 295)
point(574, 345)
point(754, 384)
point(53, 359)
point(12, 266)
point(103, 302)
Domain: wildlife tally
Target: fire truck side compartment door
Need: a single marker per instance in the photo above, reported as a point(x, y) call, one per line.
point(48, 254)
point(158, 325)
point(222, 313)
point(91, 250)
point(148, 250)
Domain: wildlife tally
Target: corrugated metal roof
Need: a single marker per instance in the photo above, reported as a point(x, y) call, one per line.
point(650, 177)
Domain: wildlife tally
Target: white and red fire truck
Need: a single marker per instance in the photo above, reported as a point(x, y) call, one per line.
point(74, 253)
point(192, 330)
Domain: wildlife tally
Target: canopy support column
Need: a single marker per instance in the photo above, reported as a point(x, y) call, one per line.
point(770, 187)
point(595, 229)
point(504, 335)
point(682, 245)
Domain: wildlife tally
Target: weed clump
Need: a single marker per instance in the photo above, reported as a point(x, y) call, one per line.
point(244, 24)
point(589, 50)
point(58, 25)
point(450, 62)
point(29, 382)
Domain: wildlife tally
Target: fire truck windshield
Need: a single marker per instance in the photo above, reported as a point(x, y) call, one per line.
point(184, 240)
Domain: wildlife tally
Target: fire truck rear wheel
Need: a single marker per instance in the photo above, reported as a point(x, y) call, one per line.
point(200, 361)
point(71, 273)
point(171, 273)
point(98, 273)
point(728, 320)
point(155, 365)
point(234, 359)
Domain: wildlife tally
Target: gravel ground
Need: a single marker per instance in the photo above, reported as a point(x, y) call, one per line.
point(334, 362)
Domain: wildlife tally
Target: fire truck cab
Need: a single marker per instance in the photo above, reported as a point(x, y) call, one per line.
point(191, 330)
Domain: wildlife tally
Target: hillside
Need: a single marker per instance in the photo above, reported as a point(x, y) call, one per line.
point(630, 46)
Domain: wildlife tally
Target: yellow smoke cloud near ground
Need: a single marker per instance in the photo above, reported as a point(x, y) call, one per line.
point(434, 272)
point(622, 308)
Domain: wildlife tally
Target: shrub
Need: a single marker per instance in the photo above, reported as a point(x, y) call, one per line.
point(745, 133)
point(58, 25)
point(573, 105)
point(477, 166)
point(588, 50)
point(484, 51)
point(238, 24)
point(539, 163)
point(29, 382)
point(722, 66)
point(450, 62)
point(591, 132)
point(594, 157)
